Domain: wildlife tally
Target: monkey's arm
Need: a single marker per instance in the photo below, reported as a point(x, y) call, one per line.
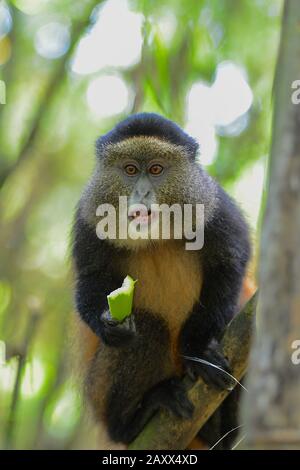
point(95, 279)
point(224, 257)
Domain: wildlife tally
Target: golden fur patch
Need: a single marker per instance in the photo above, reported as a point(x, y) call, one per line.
point(169, 281)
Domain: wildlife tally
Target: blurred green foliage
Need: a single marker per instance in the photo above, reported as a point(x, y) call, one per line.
point(47, 133)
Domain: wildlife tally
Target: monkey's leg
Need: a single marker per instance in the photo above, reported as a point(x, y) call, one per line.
point(143, 380)
point(169, 394)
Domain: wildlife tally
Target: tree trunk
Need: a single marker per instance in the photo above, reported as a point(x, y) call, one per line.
point(272, 408)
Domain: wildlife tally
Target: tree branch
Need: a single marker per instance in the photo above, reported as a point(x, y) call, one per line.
point(165, 431)
point(22, 355)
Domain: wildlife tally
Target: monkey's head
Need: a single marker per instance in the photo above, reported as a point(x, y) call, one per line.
point(147, 161)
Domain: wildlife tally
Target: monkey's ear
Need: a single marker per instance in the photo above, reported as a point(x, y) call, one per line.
point(152, 125)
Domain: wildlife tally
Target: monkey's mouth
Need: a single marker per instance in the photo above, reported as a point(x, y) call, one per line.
point(140, 214)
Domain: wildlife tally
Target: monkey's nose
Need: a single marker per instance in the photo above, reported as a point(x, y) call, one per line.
point(142, 194)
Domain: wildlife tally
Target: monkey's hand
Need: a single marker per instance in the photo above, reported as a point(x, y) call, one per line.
point(115, 333)
point(214, 369)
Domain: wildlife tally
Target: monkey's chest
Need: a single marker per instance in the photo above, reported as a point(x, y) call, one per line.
point(169, 281)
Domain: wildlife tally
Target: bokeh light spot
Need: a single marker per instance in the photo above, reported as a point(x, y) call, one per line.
point(115, 40)
point(63, 412)
point(232, 96)
point(218, 109)
point(30, 7)
point(108, 95)
point(52, 40)
point(5, 20)
point(33, 379)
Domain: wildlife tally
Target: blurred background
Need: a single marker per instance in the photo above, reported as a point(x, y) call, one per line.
point(70, 70)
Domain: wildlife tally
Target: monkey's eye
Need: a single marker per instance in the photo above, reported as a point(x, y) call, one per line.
point(131, 170)
point(156, 169)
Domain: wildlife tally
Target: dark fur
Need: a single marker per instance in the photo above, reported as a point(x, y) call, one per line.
point(224, 256)
point(142, 375)
point(148, 124)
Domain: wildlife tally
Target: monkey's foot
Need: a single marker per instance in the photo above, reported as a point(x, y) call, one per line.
point(172, 395)
point(169, 394)
point(115, 333)
point(214, 371)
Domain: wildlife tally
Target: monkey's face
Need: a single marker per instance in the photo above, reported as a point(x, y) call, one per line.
point(136, 177)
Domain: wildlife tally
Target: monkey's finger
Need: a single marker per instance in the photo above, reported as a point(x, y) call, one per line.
point(217, 358)
point(216, 377)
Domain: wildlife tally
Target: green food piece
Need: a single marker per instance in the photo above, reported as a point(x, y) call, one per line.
point(120, 300)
